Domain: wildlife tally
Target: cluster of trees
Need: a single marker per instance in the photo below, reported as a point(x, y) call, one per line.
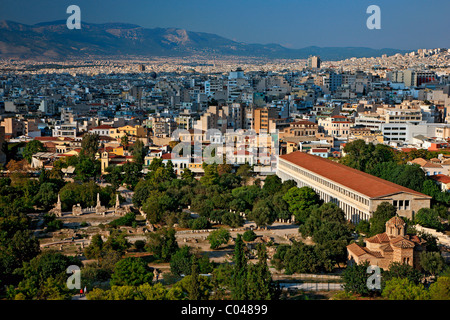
point(401, 281)
point(325, 223)
point(131, 278)
point(43, 277)
point(251, 281)
point(387, 163)
point(219, 195)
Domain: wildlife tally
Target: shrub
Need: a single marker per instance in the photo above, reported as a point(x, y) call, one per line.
point(126, 220)
point(218, 237)
point(199, 223)
point(54, 225)
point(249, 235)
point(139, 245)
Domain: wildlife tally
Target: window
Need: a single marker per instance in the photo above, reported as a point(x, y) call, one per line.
point(407, 205)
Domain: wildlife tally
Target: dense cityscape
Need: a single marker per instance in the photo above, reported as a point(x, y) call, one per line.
point(224, 159)
point(225, 178)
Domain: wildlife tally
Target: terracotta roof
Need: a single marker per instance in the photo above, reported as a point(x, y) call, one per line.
point(420, 161)
point(303, 122)
point(103, 126)
point(376, 254)
point(340, 117)
point(167, 156)
point(442, 178)
point(46, 138)
point(431, 165)
point(355, 249)
point(396, 221)
point(387, 248)
point(402, 242)
point(359, 251)
point(379, 238)
point(359, 181)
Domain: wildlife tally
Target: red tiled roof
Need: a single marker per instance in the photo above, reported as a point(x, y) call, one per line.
point(378, 238)
point(359, 181)
point(402, 242)
point(167, 156)
point(431, 165)
point(442, 178)
point(46, 138)
point(103, 126)
point(303, 122)
point(357, 250)
point(420, 161)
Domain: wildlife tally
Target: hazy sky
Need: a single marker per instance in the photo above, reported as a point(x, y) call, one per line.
point(405, 24)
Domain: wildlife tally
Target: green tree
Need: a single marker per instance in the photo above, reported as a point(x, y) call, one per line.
point(32, 147)
point(131, 272)
point(163, 243)
point(301, 258)
point(90, 145)
point(239, 277)
point(38, 270)
point(355, 279)
point(300, 200)
point(403, 289)
point(47, 195)
point(429, 218)
point(234, 220)
point(245, 172)
point(432, 262)
point(194, 283)
point(87, 168)
point(211, 176)
point(249, 236)
point(218, 237)
point(272, 184)
point(138, 152)
point(124, 140)
point(363, 227)
point(382, 214)
point(400, 270)
point(157, 205)
point(200, 223)
point(127, 220)
point(259, 285)
point(94, 250)
point(263, 213)
point(181, 261)
point(440, 290)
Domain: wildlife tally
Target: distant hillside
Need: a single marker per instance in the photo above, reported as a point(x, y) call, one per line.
point(53, 40)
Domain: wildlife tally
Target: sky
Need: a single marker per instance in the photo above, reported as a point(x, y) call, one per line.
point(405, 24)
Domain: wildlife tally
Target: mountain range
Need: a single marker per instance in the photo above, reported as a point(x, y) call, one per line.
point(53, 40)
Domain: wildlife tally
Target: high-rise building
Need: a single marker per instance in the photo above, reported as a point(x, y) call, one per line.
point(314, 62)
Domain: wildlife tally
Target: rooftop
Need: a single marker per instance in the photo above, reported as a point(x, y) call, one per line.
point(359, 181)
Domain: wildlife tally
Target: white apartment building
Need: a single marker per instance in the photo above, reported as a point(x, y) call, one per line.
point(67, 130)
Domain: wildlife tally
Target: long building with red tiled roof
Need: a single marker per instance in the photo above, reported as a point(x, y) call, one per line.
point(354, 191)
